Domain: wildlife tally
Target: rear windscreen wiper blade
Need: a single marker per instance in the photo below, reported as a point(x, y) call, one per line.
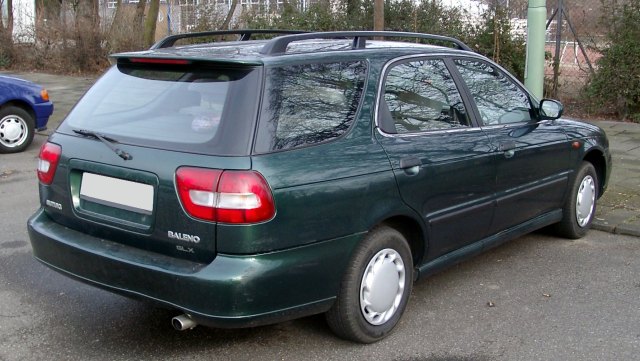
point(106, 141)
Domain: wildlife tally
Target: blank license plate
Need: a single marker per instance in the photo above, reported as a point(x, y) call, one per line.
point(118, 193)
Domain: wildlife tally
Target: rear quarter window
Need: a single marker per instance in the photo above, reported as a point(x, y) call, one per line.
point(309, 104)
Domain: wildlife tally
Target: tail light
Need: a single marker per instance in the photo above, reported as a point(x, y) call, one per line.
point(238, 197)
point(48, 162)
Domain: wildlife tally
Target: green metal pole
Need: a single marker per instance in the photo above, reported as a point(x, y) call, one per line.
point(534, 68)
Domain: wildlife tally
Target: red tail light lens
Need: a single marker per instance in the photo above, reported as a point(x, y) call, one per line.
point(238, 197)
point(48, 162)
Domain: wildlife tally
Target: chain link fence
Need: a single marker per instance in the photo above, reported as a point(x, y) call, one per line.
point(575, 34)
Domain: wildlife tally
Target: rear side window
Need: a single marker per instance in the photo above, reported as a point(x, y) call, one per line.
point(175, 108)
point(309, 104)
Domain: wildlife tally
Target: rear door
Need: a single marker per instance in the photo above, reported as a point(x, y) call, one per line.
point(532, 157)
point(126, 140)
point(440, 158)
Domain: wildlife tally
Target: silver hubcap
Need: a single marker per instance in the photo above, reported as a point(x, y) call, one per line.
point(382, 286)
point(13, 131)
point(585, 201)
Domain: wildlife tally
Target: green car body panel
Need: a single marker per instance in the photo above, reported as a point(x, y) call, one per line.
point(452, 193)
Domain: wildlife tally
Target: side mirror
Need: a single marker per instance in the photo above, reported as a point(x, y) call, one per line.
point(550, 109)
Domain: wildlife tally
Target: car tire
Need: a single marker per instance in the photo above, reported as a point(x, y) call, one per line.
point(16, 129)
point(375, 288)
point(580, 206)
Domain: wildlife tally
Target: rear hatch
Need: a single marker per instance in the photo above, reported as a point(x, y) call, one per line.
point(146, 127)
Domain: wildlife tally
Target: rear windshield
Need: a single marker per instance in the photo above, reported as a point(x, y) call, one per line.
point(201, 110)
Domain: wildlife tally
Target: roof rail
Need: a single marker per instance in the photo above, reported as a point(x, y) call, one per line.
point(279, 45)
point(168, 41)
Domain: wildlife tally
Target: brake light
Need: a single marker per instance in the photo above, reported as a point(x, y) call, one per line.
point(237, 197)
point(160, 61)
point(48, 162)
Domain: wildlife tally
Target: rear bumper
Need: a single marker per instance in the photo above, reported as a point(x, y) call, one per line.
point(231, 291)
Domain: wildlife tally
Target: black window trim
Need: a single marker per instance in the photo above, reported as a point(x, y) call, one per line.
point(474, 126)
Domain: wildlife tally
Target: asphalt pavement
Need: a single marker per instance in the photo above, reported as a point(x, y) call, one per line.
point(618, 210)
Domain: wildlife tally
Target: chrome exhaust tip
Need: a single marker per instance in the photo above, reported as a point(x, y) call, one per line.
point(183, 322)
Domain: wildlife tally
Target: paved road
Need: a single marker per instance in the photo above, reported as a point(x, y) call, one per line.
point(554, 300)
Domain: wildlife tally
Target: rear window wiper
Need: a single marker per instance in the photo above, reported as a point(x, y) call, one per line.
point(109, 142)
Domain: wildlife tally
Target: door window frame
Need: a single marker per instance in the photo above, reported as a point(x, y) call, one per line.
point(533, 101)
point(469, 105)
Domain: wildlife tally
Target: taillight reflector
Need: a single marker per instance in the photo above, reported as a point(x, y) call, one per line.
point(48, 162)
point(238, 197)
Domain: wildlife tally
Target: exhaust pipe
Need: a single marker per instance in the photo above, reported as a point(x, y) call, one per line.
point(183, 322)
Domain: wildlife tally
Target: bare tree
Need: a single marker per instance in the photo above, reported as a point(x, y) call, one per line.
point(150, 23)
point(227, 19)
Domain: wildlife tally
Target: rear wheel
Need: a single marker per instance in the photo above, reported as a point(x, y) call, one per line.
point(375, 288)
point(16, 129)
point(580, 206)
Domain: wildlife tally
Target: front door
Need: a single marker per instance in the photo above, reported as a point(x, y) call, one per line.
point(440, 157)
point(532, 157)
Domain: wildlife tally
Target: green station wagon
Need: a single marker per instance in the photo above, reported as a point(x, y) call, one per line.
point(253, 181)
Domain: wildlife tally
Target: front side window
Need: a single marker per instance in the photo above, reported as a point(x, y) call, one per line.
point(309, 104)
point(422, 96)
point(499, 99)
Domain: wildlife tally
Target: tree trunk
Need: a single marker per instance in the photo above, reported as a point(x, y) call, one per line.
point(1, 17)
point(10, 18)
point(95, 14)
point(378, 15)
point(150, 23)
point(227, 20)
point(115, 22)
point(138, 22)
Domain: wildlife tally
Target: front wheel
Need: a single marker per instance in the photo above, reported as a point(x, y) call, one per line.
point(580, 206)
point(16, 129)
point(375, 288)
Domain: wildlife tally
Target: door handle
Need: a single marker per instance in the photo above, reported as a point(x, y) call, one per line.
point(411, 165)
point(508, 149)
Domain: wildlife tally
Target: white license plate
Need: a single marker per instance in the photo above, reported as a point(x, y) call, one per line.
point(118, 193)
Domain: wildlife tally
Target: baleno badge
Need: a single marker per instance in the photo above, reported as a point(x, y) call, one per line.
point(183, 237)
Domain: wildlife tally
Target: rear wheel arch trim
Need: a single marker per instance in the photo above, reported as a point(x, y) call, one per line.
point(414, 232)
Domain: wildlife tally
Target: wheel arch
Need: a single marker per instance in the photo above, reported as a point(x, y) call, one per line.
point(22, 105)
point(597, 159)
point(412, 231)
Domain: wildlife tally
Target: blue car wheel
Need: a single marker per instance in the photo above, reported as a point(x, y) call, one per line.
point(16, 129)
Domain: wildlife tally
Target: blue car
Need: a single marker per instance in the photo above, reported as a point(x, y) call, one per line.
point(24, 109)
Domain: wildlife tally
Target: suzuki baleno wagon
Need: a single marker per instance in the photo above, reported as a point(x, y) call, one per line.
point(249, 182)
